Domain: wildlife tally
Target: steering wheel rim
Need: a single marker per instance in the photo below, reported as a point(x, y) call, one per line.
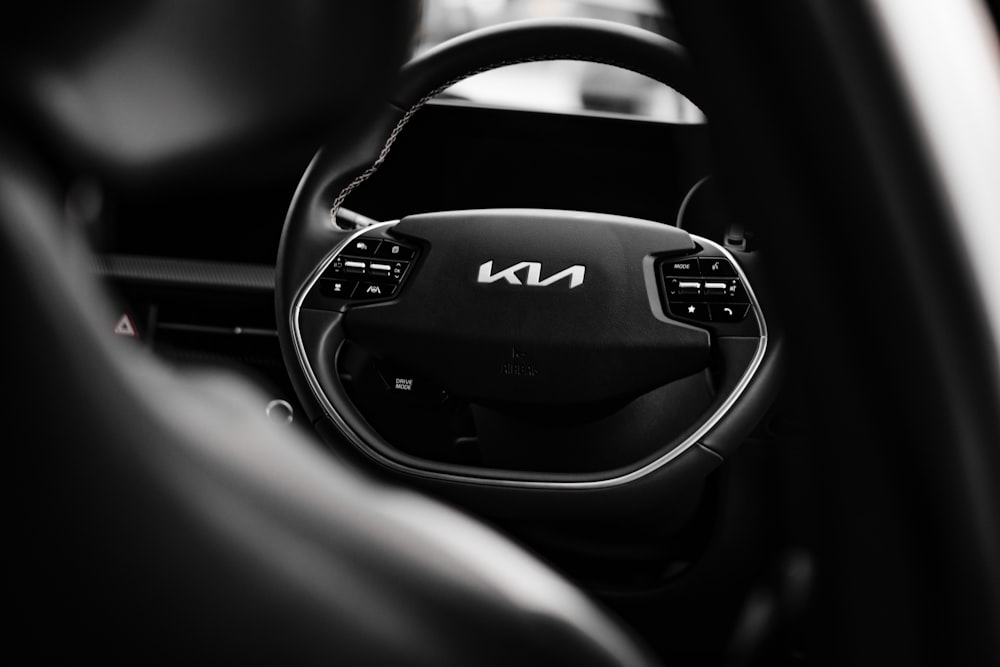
point(311, 240)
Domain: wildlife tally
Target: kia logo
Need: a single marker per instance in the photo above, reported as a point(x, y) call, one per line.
point(533, 277)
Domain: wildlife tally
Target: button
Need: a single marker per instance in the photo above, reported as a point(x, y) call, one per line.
point(735, 291)
point(125, 326)
point(355, 266)
point(363, 247)
point(373, 291)
point(404, 384)
point(691, 311)
point(728, 312)
point(337, 288)
point(398, 269)
point(715, 288)
point(390, 250)
point(689, 287)
point(725, 290)
point(681, 267)
point(716, 267)
point(335, 269)
point(380, 269)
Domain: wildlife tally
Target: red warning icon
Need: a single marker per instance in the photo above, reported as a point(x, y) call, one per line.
point(126, 327)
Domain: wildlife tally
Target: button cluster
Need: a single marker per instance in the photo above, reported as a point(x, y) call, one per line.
point(704, 289)
point(367, 268)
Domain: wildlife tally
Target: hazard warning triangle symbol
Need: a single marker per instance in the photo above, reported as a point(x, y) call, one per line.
point(125, 327)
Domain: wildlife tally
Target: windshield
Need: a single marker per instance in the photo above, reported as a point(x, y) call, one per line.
point(560, 86)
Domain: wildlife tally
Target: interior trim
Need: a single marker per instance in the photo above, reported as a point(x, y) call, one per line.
point(168, 271)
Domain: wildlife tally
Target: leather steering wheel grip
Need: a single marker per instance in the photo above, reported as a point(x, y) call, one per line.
point(591, 40)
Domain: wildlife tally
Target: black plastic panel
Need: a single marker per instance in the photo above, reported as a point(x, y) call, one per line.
point(173, 272)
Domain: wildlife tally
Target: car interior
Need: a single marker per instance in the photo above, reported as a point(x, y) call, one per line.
point(315, 356)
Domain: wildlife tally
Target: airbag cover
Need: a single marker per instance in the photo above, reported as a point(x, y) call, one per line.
point(534, 306)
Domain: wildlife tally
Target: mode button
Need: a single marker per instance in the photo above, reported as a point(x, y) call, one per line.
point(681, 267)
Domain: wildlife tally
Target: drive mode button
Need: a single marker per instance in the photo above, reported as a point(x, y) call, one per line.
point(373, 290)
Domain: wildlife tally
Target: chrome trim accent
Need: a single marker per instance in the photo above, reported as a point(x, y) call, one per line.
point(576, 274)
point(609, 482)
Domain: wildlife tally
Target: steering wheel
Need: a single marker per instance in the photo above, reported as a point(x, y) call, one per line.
point(558, 356)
